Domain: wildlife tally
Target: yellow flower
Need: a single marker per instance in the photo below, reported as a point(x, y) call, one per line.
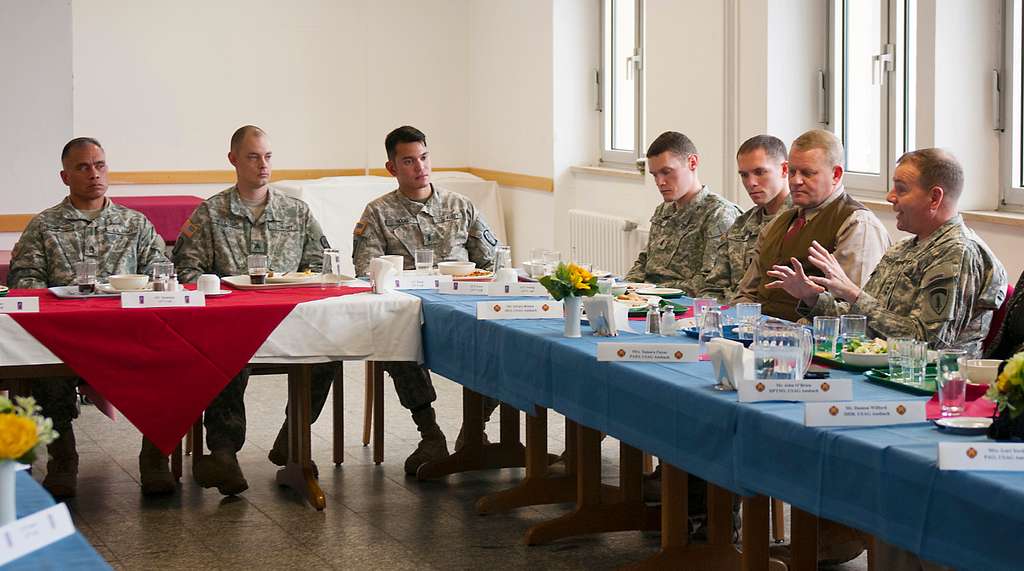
point(17, 436)
point(1002, 383)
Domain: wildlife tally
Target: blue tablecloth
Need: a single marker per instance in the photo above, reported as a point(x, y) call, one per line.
point(882, 480)
point(72, 552)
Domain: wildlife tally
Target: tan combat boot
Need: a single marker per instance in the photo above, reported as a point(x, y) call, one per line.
point(279, 453)
point(432, 445)
point(154, 470)
point(62, 467)
point(220, 470)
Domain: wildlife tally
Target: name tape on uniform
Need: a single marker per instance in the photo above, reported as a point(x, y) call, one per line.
point(863, 413)
point(19, 305)
point(648, 352)
point(802, 390)
point(519, 309)
point(163, 299)
point(999, 456)
point(33, 532)
point(421, 282)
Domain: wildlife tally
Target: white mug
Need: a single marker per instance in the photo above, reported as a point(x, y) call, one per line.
point(208, 283)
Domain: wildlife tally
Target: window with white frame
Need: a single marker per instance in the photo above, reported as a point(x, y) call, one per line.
point(621, 82)
point(871, 53)
point(1012, 120)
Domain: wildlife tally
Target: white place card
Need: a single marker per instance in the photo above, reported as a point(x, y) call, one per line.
point(1001, 456)
point(163, 299)
point(32, 532)
point(519, 309)
point(19, 305)
point(803, 390)
point(648, 352)
point(456, 287)
point(421, 282)
point(453, 287)
point(863, 413)
point(525, 289)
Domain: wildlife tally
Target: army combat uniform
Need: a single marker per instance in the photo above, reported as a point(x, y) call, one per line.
point(218, 238)
point(450, 225)
point(120, 240)
point(736, 252)
point(684, 242)
point(942, 289)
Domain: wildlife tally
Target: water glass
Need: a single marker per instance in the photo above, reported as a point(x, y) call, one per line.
point(424, 261)
point(701, 305)
point(826, 335)
point(747, 316)
point(258, 269)
point(951, 382)
point(852, 327)
point(331, 270)
point(899, 357)
point(782, 350)
point(85, 276)
point(604, 285)
point(915, 362)
point(502, 258)
point(710, 328)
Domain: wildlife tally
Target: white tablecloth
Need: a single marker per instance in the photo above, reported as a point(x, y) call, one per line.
point(337, 202)
point(352, 327)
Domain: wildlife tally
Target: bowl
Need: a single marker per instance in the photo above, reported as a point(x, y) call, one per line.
point(982, 371)
point(124, 282)
point(455, 268)
point(866, 359)
point(618, 289)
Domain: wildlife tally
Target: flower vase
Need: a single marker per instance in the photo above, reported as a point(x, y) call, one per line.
point(571, 313)
point(7, 474)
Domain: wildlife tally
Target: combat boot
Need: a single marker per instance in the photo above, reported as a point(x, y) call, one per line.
point(62, 467)
point(220, 470)
point(278, 455)
point(154, 470)
point(432, 445)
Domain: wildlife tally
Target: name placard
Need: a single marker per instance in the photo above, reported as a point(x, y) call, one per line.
point(465, 288)
point(421, 282)
point(803, 390)
point(456, 287)
point(648, 352)
point(519, 309)
point(163, 299)
point(863, 413)
point(32, 532)
point(999, 456)
point(19, 305)
point(519, 289)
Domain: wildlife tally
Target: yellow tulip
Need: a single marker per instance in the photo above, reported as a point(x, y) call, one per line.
point(17, 436)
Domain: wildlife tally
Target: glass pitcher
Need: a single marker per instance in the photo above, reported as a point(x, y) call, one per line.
point(782, 350)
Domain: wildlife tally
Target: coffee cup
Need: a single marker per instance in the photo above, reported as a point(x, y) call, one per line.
point(208, 283)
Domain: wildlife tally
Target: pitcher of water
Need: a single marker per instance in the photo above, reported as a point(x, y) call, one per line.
point(782, 350)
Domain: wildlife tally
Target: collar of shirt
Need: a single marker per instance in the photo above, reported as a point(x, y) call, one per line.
point(810, 213)
point(69, 212)
point(939, 234)
point(674, 209)
point(431, 207)
point(242, 211)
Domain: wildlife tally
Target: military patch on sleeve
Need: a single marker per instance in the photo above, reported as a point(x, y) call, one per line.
point(324, 243)
point(940, 287)
point(938, 299)
point(489, 237)
point(360, 228)
point(188, 228)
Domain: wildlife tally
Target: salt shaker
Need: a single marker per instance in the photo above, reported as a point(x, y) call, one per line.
point(653, 321)
point(668, 322)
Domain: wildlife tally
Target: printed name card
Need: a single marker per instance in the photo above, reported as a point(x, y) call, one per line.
point(421, 282)
point(803, 390)
point(32, 532)
point(163, 299)
point(648, 352)
point(519, 309)
point(493, 289)
point(19, 305)
point(981, 456)
point(465, 288)
point(863, 413)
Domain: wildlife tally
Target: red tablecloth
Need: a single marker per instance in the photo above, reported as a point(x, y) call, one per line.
point(167, 213)
point(161, 367)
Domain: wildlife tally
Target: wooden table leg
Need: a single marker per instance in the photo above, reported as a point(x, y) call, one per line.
point(298, 474)
point(176, 462)
point(378, 411)
point(804, 531)
point(338, 401)
point(778, 520)
point(539, 486)
point(755, 533)
point(197, 446)
point(474, 455)
point(367, 402)
point(595, 511)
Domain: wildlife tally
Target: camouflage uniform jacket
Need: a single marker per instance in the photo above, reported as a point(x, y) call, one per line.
point(121, 240)
point(736, 252)
point(220, 235)
point(942, 290)
point(447, 223)
point(684, 242)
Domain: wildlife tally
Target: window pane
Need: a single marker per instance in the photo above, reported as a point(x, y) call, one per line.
point(863, 113)
point(623, 90)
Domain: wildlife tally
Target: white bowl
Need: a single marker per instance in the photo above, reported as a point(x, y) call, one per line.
point(866, 359)
point(618, 289)
point(982, 371)
point(455, 268)
point(125, 282)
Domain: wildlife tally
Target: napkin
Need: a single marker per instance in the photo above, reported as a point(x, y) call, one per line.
point(382, 275)
point(606, 317)
point(731, 360)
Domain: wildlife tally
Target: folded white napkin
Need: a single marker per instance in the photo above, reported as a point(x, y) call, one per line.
point(605, 315)
point(382, 275)
point(732, 362)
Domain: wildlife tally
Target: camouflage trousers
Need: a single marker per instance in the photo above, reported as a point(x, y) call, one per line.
point(412, 383)
point(224, 419)
point(59, 399)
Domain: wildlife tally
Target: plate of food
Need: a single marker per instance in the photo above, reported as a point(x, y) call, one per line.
point(666, 292)
point(293, 277)
point(870, 353)
point(636, 302)
point(475, 276)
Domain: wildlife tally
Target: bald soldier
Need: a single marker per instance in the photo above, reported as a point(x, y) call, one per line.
point(86, 225)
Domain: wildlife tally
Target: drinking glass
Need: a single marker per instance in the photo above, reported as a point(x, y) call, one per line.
point(258, 269)
point(747, 316)
point(710, 328)
point(502, 257)
point(550, 259)
point(915, 362)
point(424, 261)
point(852, 327)
point(162, 272)
point(951, 382)
point(826, 335)
point(782, 350)
point(331, 271)
point(898, 350)
point(85, 276)
point(701, 305)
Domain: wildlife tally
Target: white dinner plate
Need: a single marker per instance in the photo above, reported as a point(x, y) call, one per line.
point(866, 359)
point(107, 288)
point(293, 278)
point(964, 424)
point(661, 291)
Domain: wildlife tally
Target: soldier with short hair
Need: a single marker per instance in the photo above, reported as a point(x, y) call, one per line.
point(417, 215)
point(688, 228)
point(251, 217)
point(84, 226)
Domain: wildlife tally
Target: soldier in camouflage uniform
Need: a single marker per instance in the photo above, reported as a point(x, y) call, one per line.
point(688, 228)
point(419, 215)
point(941, 285)
point(249, 218)
point(763, 169)
point(84, 226)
